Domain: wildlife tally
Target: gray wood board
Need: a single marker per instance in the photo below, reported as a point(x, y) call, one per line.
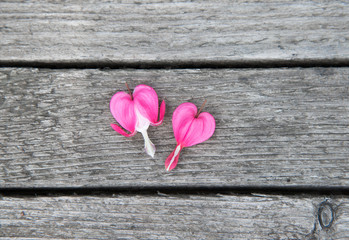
point(275, 127)
point(166, 31)
point(175, 217)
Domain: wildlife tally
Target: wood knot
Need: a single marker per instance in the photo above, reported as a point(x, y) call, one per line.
point(326, 215)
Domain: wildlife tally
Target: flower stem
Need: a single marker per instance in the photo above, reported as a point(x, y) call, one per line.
point(202, 107)
point(129, 90)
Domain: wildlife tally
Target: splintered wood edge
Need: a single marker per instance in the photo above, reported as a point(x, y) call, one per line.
point(162, 32)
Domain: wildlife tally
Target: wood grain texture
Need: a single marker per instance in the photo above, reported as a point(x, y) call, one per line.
point(275, 127)
point(172, 217)
point(173, 31)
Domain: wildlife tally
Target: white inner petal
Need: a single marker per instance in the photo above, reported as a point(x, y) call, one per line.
point(148, 145)
point(142, 126)
point(178, 148)
point(142, 123)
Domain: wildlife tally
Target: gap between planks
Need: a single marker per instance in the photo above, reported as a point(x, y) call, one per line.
point(267, 63)
point(175, 190)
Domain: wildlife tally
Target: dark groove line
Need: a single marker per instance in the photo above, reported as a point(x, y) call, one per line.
point(107, 64)
point(174, 190)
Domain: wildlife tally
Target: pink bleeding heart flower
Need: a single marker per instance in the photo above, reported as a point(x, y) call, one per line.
point(135, 112)
point(190, 127)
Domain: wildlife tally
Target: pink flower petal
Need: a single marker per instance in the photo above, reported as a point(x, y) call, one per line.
point(122, 109)
point(146, 101)
point(189, 130)
point(182, 119)
point(136, 113)
point(162, 114)
point(201, 129)
point(172, 159)
point(121, 131)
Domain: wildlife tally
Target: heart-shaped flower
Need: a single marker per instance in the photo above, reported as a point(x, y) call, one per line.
point(135, 112)
point(190, 127)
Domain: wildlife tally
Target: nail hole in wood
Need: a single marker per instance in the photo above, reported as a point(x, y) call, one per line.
point(325, 215)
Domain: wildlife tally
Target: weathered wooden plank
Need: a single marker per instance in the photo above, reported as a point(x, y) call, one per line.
point(275, 127)
point(174, 217)
point(167, 31)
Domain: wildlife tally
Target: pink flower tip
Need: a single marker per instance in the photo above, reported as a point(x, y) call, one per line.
point(172, 159)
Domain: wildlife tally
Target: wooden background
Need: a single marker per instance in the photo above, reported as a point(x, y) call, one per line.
point(276, 78)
